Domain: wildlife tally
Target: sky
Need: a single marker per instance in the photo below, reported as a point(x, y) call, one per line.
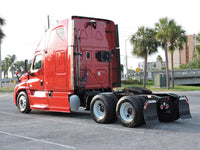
point(26, 20)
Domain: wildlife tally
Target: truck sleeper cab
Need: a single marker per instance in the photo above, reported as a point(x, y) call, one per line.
point(77, 63)
point(78, 56)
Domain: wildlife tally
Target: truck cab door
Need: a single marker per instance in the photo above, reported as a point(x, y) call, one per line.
point(37, 94)
point(56, 69)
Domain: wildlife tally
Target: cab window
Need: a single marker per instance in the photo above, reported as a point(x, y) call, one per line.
point(37, 64)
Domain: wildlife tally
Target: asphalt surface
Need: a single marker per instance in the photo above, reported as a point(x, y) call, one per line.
point(59, 131)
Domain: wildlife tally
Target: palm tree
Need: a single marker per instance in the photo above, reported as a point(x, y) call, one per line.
point(2, 22)
point(171, 36)
point(8, 63)
point(162, 34)
point(160, 60)
point(5, 66)
point(176, 39)
point(144, 44)
point(19, 66)
point(12, 60)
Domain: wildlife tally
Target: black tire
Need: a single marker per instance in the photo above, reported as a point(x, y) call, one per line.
point(23, 102)
point(102, 108)
point(129, 111)
point(141, 100)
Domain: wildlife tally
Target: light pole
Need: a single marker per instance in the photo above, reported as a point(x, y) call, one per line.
point(48, 21)
point(126, 58)
point(0, 67)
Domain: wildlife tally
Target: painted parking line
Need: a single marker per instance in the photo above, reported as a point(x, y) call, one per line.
point(102, 126)
point(37, 140)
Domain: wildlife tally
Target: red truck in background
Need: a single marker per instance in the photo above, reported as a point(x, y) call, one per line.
point(76, 64)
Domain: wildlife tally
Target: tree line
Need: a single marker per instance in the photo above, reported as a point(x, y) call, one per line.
point(166, 34)
point(10, 64)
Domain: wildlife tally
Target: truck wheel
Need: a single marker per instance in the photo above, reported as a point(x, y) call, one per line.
point(129, 111)
point(102, 108)
point(23, 102)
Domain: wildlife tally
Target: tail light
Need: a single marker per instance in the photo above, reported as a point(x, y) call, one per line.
point(167, 106)
point(161, 107)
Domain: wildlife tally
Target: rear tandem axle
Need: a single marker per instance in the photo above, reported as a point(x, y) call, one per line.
point(135, 108)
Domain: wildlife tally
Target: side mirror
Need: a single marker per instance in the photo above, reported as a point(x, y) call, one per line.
point(26, 65)
point(17, 74)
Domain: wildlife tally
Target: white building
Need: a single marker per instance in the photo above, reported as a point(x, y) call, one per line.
point(152, 65)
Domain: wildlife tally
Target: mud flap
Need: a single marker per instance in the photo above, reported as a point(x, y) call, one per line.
point(150, 112)
point(184, 110)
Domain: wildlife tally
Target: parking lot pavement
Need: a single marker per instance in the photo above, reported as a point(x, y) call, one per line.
point(51, 130)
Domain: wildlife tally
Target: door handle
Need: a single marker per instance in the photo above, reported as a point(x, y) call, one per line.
point(41, 82)
point(50, 93)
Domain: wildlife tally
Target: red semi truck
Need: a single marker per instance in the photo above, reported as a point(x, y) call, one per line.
point(77, 64)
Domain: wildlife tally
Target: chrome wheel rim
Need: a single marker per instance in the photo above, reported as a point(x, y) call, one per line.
point(127, 112)
point(22, 103)
point(99, 109)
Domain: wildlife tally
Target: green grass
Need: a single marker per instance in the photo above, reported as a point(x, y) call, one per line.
point(6, 89)
point(176, 88)
point(150, 85)
point(183, 88)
